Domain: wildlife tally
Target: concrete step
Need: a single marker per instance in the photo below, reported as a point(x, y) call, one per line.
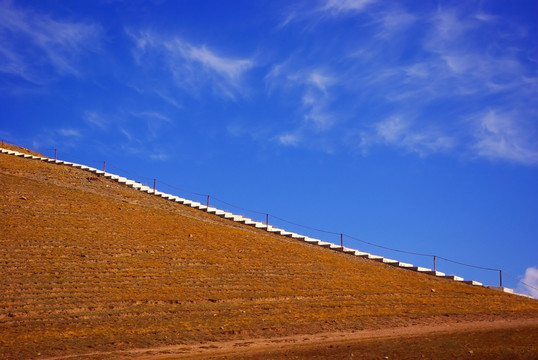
point(472, 282)
point(274, 230)
point(245, 220)
point(435, 273)
point(311, 240)
point(346, 250)
point(453, 277)
point(389, 261)
point(329, 245)
point(420, 269)
point(524, 295)
point(501, 288)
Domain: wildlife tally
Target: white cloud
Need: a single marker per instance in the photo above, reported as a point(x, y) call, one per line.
point(289, 139)
point(192, 65)
point(153, 115)
point(501, 136)
point(341, 6)
point(320, 80)
point(313, 85)
point(397, 132)
point(530, 278)
point(95, 119)
point(48, 43)
point(395, 22)
point(69, 132)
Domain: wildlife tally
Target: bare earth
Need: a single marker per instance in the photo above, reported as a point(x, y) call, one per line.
point(93, 269)
point(467, 337)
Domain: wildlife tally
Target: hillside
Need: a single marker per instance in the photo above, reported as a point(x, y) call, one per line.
point(92, 265)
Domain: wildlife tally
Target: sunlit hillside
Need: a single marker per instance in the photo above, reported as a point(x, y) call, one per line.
point(89, 264)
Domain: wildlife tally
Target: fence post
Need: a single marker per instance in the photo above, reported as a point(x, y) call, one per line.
point(342, 240)
point(55, 154)
point(104, 166)
point(207, 202)
point(500, 278)
point(154, 185)
point(434, 263)
point(267, 219)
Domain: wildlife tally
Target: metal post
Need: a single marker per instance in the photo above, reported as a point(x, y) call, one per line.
point(104, 166)
point(342, 240)
point(266, 219)
point(500, 278)
point(55, 154)
point(207, 202)
point(434, 263)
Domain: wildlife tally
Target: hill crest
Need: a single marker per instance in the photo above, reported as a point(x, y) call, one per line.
point(93, 264)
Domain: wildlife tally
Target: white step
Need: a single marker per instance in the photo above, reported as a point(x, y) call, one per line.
point(297, 236)
point(328, 245)
point(472, 282)
point(420, 269)
point(453, 277)
point(501, 288)
point(311, 240)
point(272, 229)
point(436, 273)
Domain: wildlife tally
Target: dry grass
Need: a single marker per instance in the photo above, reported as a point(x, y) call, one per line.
point(89, 264)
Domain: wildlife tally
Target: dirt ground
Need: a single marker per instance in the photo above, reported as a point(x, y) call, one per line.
point(93, 269)
point(461, 339)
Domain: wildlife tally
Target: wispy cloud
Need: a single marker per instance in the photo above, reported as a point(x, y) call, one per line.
point(313, 85)
point(530, 278)
point(500, 136)
point(338, 7)
point(48, 43)
point(288, 139)
point(95, 119)
point(394, 21)
point(398, 132)
point(69, 132)
point(192, 65)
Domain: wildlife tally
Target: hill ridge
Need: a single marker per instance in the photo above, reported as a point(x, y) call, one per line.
point(89, 265)
point(247, 221)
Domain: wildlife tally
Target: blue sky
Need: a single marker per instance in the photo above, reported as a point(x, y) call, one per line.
point(411, 125)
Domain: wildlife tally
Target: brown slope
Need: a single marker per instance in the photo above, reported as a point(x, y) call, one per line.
point(91, 265)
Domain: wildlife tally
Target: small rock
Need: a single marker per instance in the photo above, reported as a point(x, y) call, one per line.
point(470, 352)
point(432, 290)
point(23, 198)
